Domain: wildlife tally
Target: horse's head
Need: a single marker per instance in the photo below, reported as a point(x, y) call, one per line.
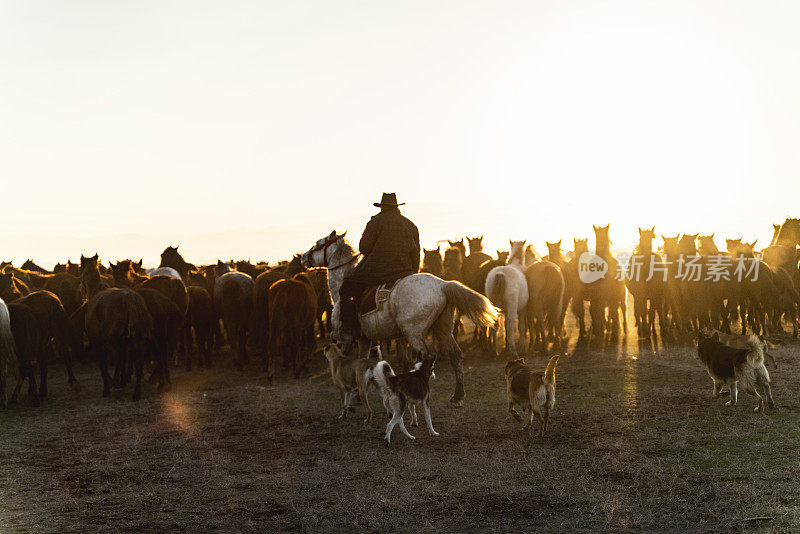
point(6, 282)
point(433, 256)
point(789, 233)
point(554, 249)
point(687, 244)
point(601, 236)
point(707, 245)
point(89, 262)
point(475, 244)
point(580, 246)
point(320, 253)
point(734, 246)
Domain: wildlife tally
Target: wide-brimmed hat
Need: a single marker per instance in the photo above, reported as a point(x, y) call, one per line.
point(388, 199)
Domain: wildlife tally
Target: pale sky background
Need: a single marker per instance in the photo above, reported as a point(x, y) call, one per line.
point(250, 129)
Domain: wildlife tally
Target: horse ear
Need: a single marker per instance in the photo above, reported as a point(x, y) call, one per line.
point(558, 243)
point(753, 244)
point(82, 257)
point(595, 227)
point(95, 257)
point(332, 234)
point(344, 234)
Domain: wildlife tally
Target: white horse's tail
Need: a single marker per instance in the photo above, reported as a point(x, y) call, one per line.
point(497, 290)
point(9, 366)
point(470, 303)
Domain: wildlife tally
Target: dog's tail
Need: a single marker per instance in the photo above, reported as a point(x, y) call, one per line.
point(755, 352)
point(418, 366)
point(550, 372)
point(380, 373)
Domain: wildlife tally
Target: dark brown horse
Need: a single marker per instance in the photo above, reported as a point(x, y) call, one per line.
point(167, 329)
point(67, 287)
point(432, 262)
point(172, 258)
point(202, 318)
point(119, 327)
point(570, 275)
point(125, 273)
point(30, 341)
point(29, 265)
point(292, 307)
point(483, 335)
point(472, 264)
point(233, 299)
point(607, 295)
point(545, 302)
point(59, 332)
point(646, 281)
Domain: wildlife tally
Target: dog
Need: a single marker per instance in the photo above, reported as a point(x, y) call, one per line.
point(734, 366)
point(739, 341)
point(350, 376)
point(400, 391)
point(533, 391)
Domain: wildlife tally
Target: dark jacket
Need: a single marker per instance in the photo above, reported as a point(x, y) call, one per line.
point(390, 246)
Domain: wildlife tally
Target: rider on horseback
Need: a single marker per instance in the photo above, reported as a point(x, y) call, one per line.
point(390, 246)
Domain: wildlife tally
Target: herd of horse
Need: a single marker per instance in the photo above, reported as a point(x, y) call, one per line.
point(123, 315)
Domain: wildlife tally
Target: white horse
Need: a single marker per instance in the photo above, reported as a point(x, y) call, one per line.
point(164, 271)
point(418, 304)
point(9, 367)
point(507, 288)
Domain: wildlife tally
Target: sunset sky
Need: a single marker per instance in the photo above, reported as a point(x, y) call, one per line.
point(250, 129)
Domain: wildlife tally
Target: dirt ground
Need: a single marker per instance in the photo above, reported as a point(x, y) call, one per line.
point(636, 443)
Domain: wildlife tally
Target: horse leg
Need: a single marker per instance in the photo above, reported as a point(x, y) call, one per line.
point(445, 344)
point(137, 389)
point(103, 362)
point(48, 350)
point(511, 329)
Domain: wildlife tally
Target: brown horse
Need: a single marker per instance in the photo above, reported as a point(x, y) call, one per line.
point(92, 281)
point(472, 264)
point(292, 307)
point(67, 287)
point(11, 287)
point(59, 332)
point(487, 335)
point(607, 295)
point(125, 273)
point(782, 252)
point(172, 258)
point(119, 326)
point(167, 329)
point(579, 296)
point(647, 283)
point(432, 262)
point(202, 318)
point(29, 265)
point(233, 299)
point(571, 281)
point(545, 302)
point(30, 341)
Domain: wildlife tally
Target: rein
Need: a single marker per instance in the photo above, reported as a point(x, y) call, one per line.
point(324, 247)
point(351, 260)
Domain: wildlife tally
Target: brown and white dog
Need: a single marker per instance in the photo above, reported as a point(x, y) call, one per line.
point(349, 376)
point(401, 391)
point(533, 391)
point(739, 341)
point(736, 366)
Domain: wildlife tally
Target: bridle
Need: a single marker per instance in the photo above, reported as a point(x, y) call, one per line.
point(324, 246)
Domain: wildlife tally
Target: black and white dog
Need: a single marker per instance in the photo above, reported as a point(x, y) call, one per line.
point(402, 391)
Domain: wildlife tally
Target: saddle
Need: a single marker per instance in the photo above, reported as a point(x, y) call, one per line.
point(373, 297)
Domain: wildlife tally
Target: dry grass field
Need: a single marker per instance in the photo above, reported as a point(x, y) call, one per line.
point(636, 443)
